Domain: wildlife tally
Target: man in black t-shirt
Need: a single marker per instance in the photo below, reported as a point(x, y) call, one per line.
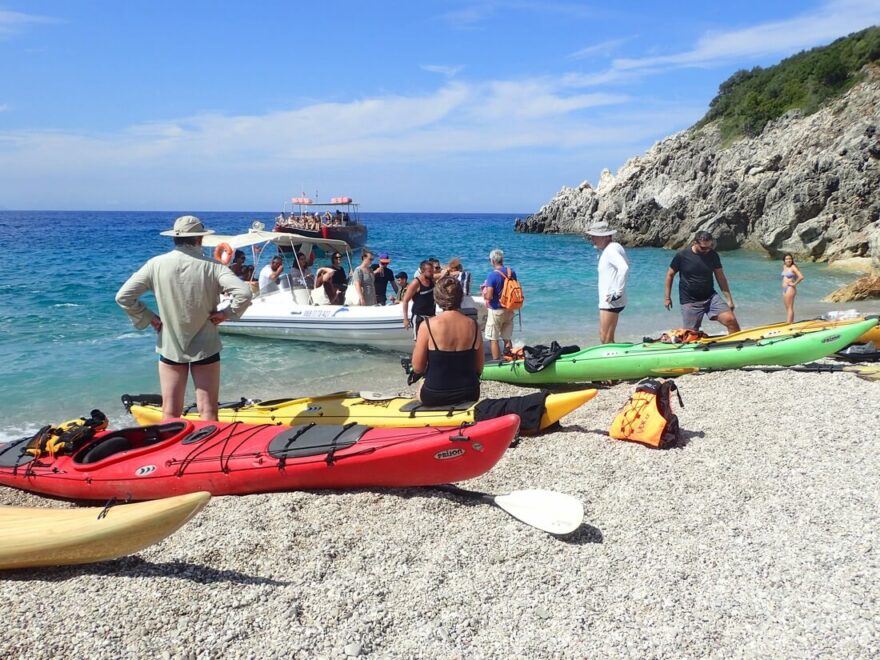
point(383, 276)
point(696, 265)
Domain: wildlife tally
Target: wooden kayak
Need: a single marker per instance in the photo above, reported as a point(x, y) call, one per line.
point(31, 537)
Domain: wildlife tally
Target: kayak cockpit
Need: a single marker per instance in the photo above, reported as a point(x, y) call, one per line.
point(132, 439)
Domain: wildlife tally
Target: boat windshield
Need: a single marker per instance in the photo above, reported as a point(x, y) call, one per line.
point(299, 256)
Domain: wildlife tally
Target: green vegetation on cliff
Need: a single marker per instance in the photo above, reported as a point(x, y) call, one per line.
point(749, 99)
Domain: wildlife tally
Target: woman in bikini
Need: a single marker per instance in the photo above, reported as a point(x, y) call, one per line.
point(448, 350)
point(791, 277)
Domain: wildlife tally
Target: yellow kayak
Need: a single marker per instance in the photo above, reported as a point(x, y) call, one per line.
point(57, 537)
point(781, 329)
point(359, 407)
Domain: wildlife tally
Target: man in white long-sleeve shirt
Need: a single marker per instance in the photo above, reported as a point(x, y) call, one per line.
point(613, 271)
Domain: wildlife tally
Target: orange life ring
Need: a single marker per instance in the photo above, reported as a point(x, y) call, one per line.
point(223, 253)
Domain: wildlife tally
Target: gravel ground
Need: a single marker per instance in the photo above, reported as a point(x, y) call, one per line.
point(757, 536)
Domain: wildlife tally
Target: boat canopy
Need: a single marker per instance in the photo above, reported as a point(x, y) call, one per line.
point(334, 201)
point(254, 237)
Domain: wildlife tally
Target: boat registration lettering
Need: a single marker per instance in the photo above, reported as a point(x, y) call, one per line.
point(830, 339)
point(144, 470)
point(446, 454)
point(318, 313)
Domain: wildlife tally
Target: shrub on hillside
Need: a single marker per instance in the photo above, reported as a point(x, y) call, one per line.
point(749, 99)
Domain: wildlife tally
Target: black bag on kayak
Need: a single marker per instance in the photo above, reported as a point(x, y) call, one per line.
point(530, 408)
point(539, 357)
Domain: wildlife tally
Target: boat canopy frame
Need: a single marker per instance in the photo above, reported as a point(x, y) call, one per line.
point(255, 238)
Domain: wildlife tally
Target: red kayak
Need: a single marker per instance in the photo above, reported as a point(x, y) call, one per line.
point(182, 456)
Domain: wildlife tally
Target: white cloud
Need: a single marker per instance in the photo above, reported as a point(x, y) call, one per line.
point(470, 15)
point(457, 118)
point(12, 22)
point(833, 19)
point(602, 48)
point(443, 70)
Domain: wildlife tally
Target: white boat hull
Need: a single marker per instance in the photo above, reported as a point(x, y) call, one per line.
point(280, 316)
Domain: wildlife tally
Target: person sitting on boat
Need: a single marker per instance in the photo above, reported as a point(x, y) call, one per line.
point(421, 293)
point(333, 279)
point(456, 270)
point(244, 272)
point(337, 218)
point(448, 350)
point(363, 280)
point(401, 280)
point(301, 276)
point(271, 274)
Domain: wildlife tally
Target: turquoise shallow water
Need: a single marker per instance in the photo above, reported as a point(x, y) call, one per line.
point(65, 347)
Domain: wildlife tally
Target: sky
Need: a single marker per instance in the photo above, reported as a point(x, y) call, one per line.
point(428, 106)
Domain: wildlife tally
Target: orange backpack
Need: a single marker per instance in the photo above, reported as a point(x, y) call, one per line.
point(647, 417)
point(512, 294)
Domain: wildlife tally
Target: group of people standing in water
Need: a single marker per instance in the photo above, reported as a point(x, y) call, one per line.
point(698, 268)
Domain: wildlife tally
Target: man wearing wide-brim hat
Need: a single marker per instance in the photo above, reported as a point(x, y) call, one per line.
point(187, 286)
point(613, 272)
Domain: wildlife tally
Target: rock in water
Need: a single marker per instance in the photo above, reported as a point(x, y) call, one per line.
point(864, 288)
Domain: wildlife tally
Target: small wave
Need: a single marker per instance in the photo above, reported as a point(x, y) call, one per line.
point(129, 335)
point(14, 432)
point(67, 305)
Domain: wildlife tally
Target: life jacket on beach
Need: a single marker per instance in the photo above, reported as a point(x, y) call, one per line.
point(514, 354)
point(682, 336)
point(647, 417)
point(68, 437)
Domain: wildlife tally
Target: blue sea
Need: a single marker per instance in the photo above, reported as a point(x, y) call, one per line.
point(66, 348)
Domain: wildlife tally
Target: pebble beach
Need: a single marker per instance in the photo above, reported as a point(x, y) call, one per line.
point(755, 536)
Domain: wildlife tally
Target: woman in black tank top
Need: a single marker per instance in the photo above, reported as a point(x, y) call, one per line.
point(449, 351)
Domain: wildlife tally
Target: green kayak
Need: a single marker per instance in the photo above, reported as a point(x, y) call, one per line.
point(631, 361)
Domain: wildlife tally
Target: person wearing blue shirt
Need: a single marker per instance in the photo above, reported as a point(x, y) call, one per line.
point(499, 323)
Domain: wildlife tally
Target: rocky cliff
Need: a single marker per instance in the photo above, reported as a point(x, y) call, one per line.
point(809, 185)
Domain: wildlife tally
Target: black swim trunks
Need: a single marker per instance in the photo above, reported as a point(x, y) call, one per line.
point(208, 360)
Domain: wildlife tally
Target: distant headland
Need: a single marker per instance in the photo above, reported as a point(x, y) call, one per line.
point(786, 160)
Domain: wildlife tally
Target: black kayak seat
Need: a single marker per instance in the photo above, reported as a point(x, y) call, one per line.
point(417, 406)
point(314, 439)
point(106, 447)
point(127, 439)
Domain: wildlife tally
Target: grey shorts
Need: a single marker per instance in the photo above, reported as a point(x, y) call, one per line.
point(692, 313)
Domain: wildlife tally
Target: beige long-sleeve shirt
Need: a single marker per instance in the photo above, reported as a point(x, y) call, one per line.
point(187, 286)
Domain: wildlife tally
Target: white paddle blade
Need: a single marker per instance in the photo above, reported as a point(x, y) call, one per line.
point(547, 510)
